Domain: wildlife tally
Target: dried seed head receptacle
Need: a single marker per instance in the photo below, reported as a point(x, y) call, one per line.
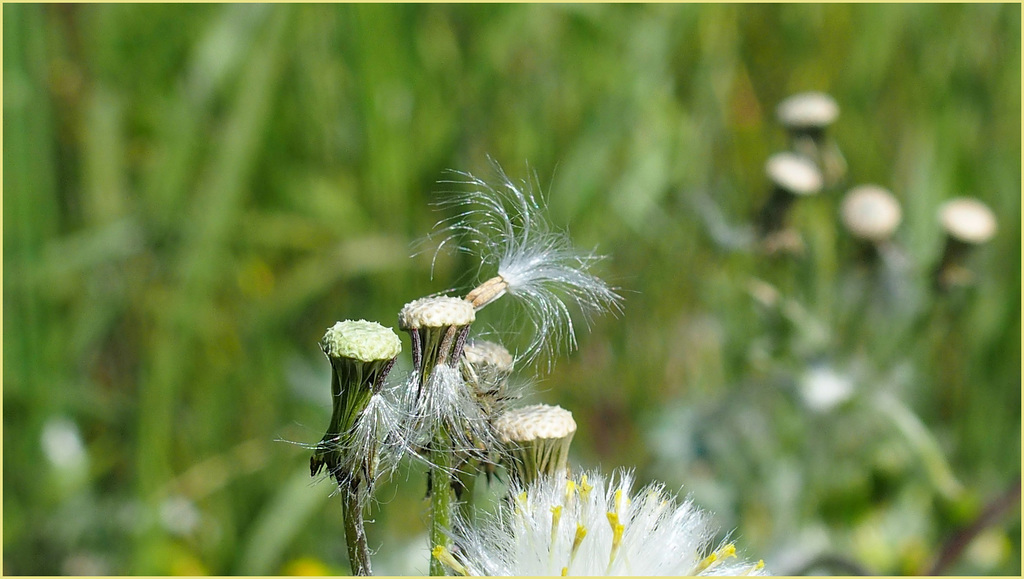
point(361, 354)
point(486, 367)
point(537, 438)
point(437, 327)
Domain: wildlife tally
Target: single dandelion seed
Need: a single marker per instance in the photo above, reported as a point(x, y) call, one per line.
point(537, 439)
point(552, 529)
point(506, 227)
point(968, 223)
point(361, 354)
point(793, 176)
point(806, 118)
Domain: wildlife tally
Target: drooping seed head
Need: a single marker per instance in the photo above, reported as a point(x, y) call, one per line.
point(968, 220)
point(436, 312)
point(871, 212)
point(808, 110)
point(793, 173)
point(361, 340)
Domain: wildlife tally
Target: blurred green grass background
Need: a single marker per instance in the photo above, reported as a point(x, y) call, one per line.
point(194, 193)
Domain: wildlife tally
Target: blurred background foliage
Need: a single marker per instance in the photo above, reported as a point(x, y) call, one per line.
point(194, 193)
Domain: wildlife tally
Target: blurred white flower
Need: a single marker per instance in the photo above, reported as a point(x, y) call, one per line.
point(590, 525)
point(823, 388)
point(505, 226)
point(62, 444)
point(179, 515)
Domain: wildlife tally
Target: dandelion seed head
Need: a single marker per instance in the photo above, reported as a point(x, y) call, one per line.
point(794, 173)
point(870, 212)
point(505, 226)
point(361, 340)
point(594, 525)
point(436, 312)
point(361, 354)
point(968, 220)
point(809, 110)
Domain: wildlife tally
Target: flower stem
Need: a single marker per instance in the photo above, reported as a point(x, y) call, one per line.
point(440, 499)
point(355, 532)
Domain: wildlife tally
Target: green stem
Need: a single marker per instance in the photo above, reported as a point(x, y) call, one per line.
point(355, 532)
point(466, 479)
point(440, 499)
point(923, 442)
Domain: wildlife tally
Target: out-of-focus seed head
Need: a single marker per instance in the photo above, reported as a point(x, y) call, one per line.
point(871, 212)
point(808, 110)
point(794, 173)
point(968, 220)
point(486, 366)
point(481, 353)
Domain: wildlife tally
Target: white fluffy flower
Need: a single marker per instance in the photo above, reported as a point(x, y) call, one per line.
point(505, 226)
point(590, 525)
